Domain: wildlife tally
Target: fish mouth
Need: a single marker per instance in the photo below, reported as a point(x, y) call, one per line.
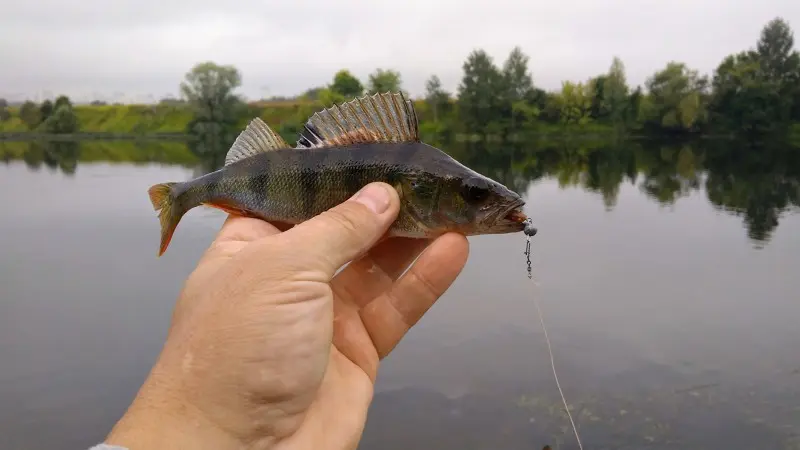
point(512, 218)
point(515, 215)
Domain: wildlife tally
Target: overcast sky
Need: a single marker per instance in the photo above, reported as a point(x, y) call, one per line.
point(135, 50)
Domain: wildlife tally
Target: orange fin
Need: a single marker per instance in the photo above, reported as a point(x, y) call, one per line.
point(230, 209)
point(163, 200)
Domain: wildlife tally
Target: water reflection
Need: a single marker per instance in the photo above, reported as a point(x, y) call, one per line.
point(669, 331)
point(55, 156)
point(760, 184)
point(66, 156)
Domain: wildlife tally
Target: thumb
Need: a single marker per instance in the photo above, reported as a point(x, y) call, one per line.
point(340, 234)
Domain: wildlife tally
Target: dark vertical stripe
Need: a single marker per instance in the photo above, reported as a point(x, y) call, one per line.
point(310, 179)
point(256, 185)
point(373, 162)
point(366, 174)
point(316, 183)
point(354, 179)
point(309, 190)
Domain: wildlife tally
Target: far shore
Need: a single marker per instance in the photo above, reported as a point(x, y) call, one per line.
point(36, 136)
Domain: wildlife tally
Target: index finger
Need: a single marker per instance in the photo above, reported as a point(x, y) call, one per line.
point(239, 231)
point(244, 229)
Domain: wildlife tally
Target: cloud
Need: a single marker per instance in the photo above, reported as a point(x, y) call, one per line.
point(143, 48)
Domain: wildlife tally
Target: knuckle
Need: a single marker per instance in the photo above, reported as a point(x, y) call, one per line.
point(346, 218)
point(429, 289)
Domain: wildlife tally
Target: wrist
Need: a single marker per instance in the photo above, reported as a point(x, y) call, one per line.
point(157, 419)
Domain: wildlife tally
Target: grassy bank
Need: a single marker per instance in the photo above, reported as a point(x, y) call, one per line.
point(116, 121)
point(170, 121)
point(161, 119)
point(119, 119)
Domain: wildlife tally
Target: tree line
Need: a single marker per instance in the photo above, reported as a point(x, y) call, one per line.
point(755, 91)
point(50, 116)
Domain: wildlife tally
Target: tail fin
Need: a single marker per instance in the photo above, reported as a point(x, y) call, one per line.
point(163, 199)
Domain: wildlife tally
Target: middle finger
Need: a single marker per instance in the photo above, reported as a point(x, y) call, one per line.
point(367, 277)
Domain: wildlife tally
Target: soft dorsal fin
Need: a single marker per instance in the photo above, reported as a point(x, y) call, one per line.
point(258, 137)
point(386, 117)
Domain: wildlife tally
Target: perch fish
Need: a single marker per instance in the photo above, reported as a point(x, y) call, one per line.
point(340, 150)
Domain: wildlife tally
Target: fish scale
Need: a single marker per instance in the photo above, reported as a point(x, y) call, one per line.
point(340, 150)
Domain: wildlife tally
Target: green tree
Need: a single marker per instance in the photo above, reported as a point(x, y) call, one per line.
point(346, 85)
point(754, 91)
point(480, 99)
point(780, 64)
point(742, 99)
point(209, 89)
point(599, 109)
point(216, 108)
point(4, 113)
point(384, 81)
point(550, 106)
point(62, 100)
point(62, 121)
point(615, 91)
point(776, 52)
point(30, 114)
point(633, 109)
point(795, 95)
point(45, 110)
point(436, 97)
point(677, 97)
point(518, 84)
point(517, 77)
point(576, 102)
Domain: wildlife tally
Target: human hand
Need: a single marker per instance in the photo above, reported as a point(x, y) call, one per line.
point(269, 347)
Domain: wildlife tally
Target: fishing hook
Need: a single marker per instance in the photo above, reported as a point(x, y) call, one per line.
point(529, 231)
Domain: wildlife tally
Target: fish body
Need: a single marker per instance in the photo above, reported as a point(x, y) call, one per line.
point(342, 149)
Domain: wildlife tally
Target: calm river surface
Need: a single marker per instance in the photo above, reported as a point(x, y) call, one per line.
point(668, 278)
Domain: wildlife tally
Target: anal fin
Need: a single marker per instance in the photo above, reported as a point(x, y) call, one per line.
point(230, 209)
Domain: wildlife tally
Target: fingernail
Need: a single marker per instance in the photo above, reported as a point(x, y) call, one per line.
point(374, 197)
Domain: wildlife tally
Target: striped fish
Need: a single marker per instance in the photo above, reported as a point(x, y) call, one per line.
point(340, 150)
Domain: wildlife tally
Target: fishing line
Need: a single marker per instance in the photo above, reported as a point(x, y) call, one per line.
point(530, 231)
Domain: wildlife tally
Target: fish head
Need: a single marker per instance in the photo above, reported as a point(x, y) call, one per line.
point(468, 203)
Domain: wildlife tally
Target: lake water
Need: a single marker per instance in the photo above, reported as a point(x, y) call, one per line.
point(668, 279)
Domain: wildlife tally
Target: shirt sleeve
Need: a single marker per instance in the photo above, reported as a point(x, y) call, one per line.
point(107, 447)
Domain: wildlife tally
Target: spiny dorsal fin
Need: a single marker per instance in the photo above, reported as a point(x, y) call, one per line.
point(258, 137)
point(386, 117)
